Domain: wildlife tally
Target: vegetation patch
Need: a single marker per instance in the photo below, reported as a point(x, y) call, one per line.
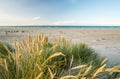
point(40, 58)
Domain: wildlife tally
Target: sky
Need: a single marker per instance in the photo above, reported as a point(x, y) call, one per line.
point(59, 12)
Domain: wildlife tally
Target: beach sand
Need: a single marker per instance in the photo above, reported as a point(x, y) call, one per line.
point(105, 41)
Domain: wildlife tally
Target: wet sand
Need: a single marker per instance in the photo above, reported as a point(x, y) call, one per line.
point(105, 41)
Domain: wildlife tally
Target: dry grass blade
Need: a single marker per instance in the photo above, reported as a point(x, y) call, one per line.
point(78, 67)
point(7, 49)
point(5, 64)
point(51, 74)
point(56, 54)
point(87, 70)
point(83, 78)
point(42, 36)
point(104, 61)
point(38, 67)
point(39, 53)
point(117, 67)
point(54, 46)
point(38, 77)
point(69, 77)
point(71, 62)
point(111, 70)
point(52, 56)
point(99, 70)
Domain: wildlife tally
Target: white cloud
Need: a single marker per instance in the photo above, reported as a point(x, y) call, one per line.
point(64, 22)
point(9, 19)
point(36, 18)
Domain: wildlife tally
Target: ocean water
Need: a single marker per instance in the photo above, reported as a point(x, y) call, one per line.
point(66, 27)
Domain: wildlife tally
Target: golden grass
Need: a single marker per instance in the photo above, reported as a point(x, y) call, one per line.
point(36, 58)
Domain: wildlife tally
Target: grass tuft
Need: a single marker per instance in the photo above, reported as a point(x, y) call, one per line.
point(39, 58)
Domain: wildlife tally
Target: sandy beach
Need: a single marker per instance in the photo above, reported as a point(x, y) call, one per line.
point(105, 41)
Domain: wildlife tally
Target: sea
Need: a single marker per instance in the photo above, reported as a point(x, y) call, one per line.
point(66, 27)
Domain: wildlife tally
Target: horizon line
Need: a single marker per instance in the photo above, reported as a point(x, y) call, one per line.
point(53, 25)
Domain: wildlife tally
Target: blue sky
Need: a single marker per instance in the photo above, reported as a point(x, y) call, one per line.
point(59, 12)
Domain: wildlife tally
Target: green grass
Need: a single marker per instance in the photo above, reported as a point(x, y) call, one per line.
point(4, 48)
point(39, 58)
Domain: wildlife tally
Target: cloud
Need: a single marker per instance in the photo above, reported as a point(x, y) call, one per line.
point(36, 18)
point(10, 19)
point(64, 22)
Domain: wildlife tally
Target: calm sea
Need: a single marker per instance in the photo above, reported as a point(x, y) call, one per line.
point(67, 27)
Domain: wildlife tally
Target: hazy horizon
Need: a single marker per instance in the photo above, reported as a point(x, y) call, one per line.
point(59, 12)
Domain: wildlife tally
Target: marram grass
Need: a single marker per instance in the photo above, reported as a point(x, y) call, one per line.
point(39, 58)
